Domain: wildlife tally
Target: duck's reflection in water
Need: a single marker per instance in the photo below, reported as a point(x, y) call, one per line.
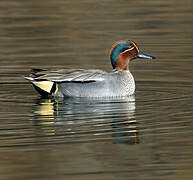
point(87, 119)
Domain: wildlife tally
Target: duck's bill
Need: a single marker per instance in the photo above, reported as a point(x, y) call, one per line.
point(145, 56)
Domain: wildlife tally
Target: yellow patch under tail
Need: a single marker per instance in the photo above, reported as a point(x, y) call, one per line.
point(44, 85)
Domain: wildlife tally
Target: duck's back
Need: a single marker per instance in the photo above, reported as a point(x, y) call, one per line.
point(82, 83)
point(113, 84)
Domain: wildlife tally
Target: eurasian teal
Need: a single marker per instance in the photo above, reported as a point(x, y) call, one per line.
point(92, 83)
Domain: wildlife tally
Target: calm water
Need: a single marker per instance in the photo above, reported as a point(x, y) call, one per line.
point(147, 136)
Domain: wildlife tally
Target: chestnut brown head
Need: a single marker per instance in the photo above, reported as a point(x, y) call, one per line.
point(124, 51)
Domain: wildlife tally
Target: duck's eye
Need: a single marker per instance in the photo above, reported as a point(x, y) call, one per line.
point(130, 46)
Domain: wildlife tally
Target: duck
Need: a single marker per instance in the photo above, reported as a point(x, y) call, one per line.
point(91, 83)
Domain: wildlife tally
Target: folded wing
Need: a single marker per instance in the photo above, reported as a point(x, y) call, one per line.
point(68, 75)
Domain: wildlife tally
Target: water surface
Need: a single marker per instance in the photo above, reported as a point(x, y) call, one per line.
point(146, 136)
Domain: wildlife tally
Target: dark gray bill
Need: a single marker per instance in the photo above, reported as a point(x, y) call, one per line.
point(145, 56)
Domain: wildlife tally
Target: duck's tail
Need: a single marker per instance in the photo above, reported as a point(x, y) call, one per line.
point(44, 87)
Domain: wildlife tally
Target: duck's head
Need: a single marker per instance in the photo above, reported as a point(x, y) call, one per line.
point(124, 51)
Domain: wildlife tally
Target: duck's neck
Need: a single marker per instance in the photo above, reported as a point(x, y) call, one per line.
point(122, 64)
point(122, 68)
point(123, 61)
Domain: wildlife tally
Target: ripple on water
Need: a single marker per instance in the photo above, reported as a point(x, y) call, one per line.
point(77, 120)
point(162, 91)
